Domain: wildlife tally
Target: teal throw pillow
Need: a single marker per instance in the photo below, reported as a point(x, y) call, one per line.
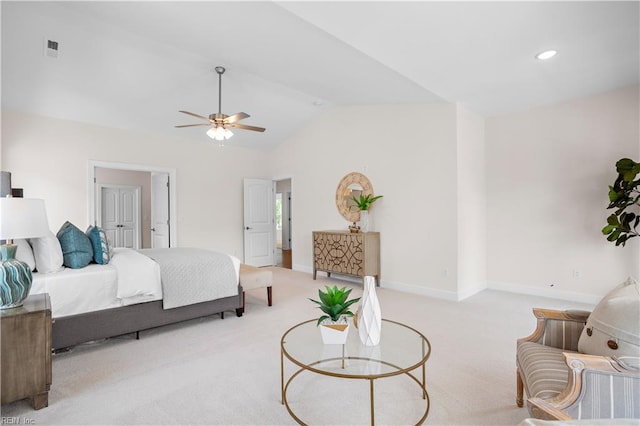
point(76, 246)
point(100, 244)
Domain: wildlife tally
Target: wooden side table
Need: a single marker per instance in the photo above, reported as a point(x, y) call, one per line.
point(25, 346)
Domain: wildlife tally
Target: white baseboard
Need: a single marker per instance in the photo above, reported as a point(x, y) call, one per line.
point(458, 296)
point(545, 292)
point(471, 291)
point(302, 268)
point(421, 291)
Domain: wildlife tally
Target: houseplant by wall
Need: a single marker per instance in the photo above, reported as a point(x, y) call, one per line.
point(363, 203)
point(335, 305)
point(624, 197)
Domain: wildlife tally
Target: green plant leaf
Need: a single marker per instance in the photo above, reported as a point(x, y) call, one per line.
point(333, 302)
point(614, 235)
point(613, 220)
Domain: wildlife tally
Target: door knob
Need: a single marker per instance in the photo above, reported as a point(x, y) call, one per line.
point(247, 228)
point(153, 229)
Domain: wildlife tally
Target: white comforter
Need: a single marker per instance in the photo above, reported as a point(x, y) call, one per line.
point(138, 275)
point(129, 278)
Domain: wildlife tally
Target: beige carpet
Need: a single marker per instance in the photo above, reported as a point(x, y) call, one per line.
point(227, 372)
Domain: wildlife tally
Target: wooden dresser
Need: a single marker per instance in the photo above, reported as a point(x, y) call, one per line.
point(26, 351)
point(346, 253)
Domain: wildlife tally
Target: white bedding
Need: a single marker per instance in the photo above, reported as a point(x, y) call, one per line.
point(138, 275)
point(210, 275)
point(129, 278)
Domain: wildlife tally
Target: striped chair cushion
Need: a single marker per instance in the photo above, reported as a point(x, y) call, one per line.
point(544, 369)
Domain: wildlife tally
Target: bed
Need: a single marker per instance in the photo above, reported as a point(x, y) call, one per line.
point(133, 292)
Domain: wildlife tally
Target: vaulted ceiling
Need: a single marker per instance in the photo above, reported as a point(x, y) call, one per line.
point(133, 65)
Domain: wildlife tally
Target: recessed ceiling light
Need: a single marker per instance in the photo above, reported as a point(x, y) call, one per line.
point(547, 54)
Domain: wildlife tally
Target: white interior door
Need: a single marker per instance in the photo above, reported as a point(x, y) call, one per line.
point(129, 212)
point(109, 206)
point(259, 223)
point(120, 215)
point(160, 210)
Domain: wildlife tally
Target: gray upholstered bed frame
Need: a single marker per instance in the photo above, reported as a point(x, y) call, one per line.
point(75, 329)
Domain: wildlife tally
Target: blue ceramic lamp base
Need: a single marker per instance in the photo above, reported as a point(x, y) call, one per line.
point(15, 278)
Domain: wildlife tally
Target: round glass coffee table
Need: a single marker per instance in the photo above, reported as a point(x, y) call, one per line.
point(402, 350)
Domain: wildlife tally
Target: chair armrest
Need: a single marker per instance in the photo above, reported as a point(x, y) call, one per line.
point(559, 329)
point(582, 370)
point(544, 410)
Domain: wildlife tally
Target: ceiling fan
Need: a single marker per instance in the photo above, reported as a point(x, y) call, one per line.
point(220, 123)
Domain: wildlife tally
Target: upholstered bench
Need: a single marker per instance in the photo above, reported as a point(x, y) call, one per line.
point(252, 277)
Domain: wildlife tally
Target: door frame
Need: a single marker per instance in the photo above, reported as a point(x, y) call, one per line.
point(92, 190)
point(155, 193)
point(290, 179)
point(138, 194)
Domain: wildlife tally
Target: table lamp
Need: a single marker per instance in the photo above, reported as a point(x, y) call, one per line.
point(19, 218)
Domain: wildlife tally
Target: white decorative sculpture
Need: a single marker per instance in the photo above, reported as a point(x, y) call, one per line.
point(369, 318)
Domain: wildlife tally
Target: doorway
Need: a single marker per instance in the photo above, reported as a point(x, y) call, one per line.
point(284, 252)
point(157, 208)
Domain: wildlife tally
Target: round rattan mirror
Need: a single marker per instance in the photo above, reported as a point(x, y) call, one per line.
point(353, 184)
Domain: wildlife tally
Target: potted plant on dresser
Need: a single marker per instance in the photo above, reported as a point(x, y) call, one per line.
point(335, 305)
point(363, 203)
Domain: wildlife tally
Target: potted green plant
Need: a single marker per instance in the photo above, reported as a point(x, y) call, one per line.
point(363, 203)
point(335, 306)
point(624, 197)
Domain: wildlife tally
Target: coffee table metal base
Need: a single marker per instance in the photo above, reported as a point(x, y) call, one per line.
point(315, 367)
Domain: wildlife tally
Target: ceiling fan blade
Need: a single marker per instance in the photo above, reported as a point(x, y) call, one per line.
point(245, 127)
point(191, 125)
point(195, 115)
point(236, 117)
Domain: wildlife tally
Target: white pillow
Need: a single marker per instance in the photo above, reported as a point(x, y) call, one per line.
point(613, 328)
point(48, 253)
point(24, 253)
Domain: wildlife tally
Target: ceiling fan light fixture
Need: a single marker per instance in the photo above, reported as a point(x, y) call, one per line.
point(218, 130)
point(219, 133)
point(547, 54)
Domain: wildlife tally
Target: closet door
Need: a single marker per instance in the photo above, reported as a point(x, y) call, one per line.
point(110, 214)
point(128, 218)
point(120, 215)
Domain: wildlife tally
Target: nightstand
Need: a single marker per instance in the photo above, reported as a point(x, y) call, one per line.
point(25, 346)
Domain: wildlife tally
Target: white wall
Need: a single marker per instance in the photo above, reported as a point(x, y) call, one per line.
point(409, 154)
point(548, 172)
point(49, 158)
point(472, 203)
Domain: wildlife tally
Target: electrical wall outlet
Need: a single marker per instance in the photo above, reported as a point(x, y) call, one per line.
point(51, 48)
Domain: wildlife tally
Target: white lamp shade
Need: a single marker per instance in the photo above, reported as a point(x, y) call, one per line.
point(22, 218)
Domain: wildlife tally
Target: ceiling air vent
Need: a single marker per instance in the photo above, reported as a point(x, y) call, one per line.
point(51, 48)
